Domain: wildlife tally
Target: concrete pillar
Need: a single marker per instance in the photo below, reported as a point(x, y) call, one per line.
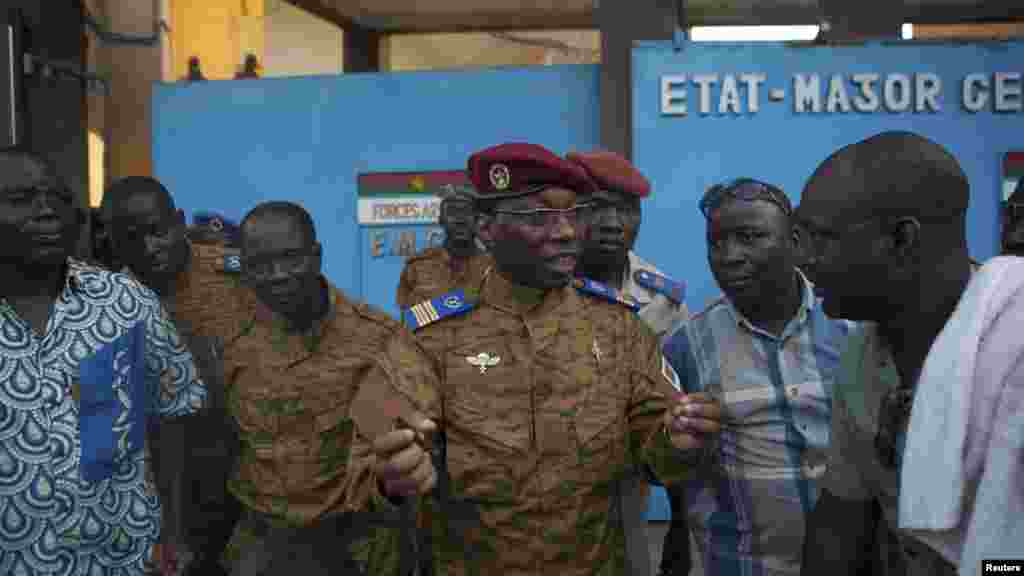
point(362, 51)
point(622, 22)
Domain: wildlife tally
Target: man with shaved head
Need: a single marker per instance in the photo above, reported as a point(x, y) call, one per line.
point(307, 471)
point(191, 457)
point(926, 416)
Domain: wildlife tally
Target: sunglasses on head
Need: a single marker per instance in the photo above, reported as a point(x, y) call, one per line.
point(745, 190)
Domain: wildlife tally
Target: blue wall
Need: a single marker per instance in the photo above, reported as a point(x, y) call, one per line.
point(683, 156)
point(229, 145)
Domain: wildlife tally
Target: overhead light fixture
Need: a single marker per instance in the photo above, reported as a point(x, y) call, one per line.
point(907, 31)
point(753, 33)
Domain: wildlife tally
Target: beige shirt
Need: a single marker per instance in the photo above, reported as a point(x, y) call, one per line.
point(658, 311)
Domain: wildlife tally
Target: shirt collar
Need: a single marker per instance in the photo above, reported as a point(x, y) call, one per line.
point(808, 304)
point(74, 279)
point(500, 293)
point(279, 325)
point(629, 286)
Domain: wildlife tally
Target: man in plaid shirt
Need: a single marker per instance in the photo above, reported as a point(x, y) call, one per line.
point(767, 351)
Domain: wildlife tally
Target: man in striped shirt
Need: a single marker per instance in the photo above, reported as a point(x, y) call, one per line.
point(767, 351)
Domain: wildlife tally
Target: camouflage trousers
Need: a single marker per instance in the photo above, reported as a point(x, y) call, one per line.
point(264, 545)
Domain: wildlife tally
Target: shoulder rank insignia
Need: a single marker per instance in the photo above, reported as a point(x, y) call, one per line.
point(430, 311)
point(232, 263)
point(674, 291)
point(608, 293)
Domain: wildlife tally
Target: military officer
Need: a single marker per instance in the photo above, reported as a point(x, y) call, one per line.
point(305, 468)
point(457, 262)
point(551, 388)
point(199, 288)
point(608, 257)
point(609, 237)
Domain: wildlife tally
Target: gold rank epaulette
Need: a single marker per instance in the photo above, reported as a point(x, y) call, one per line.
point(608, 293)
point(430, 311)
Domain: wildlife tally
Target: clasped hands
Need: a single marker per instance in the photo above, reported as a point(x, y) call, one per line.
point(402, 464)
point(691, 420)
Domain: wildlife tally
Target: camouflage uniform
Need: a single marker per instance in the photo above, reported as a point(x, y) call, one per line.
point(661, 310)
point(434, 271)
point(302, 466)
point(544, 407)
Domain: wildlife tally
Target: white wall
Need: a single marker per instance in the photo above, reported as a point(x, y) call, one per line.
point(297, 43)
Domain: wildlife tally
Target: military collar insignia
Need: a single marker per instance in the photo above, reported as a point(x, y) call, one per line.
point(500, 176)
point(430, 311)
point(674, 291)
point(588, 286)
point(483, 361)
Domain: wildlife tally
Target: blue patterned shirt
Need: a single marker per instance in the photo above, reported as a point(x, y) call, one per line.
point(74, 500)
point(747, 508)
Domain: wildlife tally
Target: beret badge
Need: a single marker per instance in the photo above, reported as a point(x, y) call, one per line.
point(500, 177)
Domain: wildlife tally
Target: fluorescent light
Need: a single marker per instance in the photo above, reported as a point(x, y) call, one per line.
point(97, 177)
point(907, 31)
point(752, 33)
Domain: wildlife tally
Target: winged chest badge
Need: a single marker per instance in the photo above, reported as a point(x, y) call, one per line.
point(483, 361)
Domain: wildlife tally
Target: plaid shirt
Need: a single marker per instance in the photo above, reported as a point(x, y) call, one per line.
point(748, 508)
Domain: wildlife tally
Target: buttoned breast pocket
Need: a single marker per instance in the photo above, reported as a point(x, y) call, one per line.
point(598, 409)
point(487, 412)
point(750, 404)
point(255, 407)
point(320, 431)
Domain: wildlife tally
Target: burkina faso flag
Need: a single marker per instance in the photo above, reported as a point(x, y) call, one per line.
point(399, 184)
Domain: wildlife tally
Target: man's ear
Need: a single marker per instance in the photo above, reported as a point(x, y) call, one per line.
point(904, 239)
point(317, 254)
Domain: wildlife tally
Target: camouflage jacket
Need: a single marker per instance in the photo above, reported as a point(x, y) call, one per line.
point(433, 272)
point(302, 460)
point(544, 407)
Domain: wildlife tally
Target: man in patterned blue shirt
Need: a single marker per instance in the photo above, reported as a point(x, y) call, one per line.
point(768, 353)
point(86, 356)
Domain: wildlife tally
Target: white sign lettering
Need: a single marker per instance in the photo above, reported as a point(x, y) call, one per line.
point(866, 99)
point(399, 210)
point(753, 82)
point(807, 90)
point(896, 92)
point(861, 92)
point(1007, 92)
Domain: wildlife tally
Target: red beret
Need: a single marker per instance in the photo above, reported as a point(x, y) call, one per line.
point(611, 171)
point(512, 170)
